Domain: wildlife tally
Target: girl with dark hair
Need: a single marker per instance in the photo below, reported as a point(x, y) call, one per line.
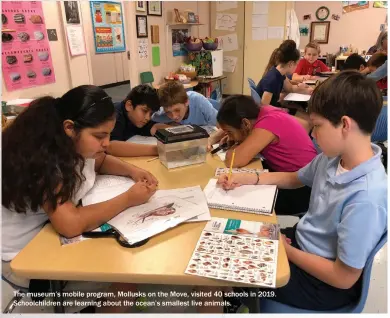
point(274, 134)
point(51, 154)
point(272, 83)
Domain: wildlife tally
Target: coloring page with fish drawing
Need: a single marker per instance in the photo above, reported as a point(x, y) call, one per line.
point(159, 214)
point(237, 251)
point(194, 195)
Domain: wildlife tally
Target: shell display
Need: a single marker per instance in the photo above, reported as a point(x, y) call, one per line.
point(27, 58)
point(46, 71)
point(38, 35)
point(15, 77)
point(43, 56)
point(23, 36)
point(19, 18)
point(31, 74)
point(36, 19)
point(11, 59)
point(4, 19)
point(6, 37)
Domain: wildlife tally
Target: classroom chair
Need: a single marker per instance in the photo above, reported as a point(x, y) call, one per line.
point(380, 132)
point(216, 104)
point(270, 306)
point(255, 96)
point(251, 83)
point(147, 78)
point(16, 298)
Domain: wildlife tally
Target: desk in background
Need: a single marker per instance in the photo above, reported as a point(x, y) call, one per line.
point(162, 260)
point(188, 86)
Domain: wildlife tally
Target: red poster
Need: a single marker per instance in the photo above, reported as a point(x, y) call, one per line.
point(26, 57)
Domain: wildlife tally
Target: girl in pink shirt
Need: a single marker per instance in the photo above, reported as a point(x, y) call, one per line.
point(273, 133)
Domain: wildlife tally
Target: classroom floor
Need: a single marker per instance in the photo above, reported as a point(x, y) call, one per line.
point(376, 302)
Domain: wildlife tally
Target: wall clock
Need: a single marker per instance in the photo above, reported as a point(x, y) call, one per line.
point(322, 13)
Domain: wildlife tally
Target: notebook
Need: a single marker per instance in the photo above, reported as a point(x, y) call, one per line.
point(257, 199)
point(295, 97)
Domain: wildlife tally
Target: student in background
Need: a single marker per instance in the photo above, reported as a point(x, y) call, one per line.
point(133, 118)
point(376, 61)
point(355, 62)
point(381, 72)
point(329, 246)
point(271, 85)
point(380, 45)
point(185, 108)
point(310, 66)
point(51, 155)
point(274, 134)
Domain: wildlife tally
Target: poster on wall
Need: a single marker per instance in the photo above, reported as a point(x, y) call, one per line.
point(72, 12)
point(178, 41)
point(380, 4)
point(349, 6)
point(108, 29)
point(26, 57)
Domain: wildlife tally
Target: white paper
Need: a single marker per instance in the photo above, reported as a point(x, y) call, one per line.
point(259, 20)
point(276, 33)
point(143, 140)
point(193, 195)
point(76, 42)
point(260, 7)
point(229, 63)
point(259, 34)
point(143, 48)
point(247, 198)
point(164, 210)
point(295, 97)
point(229, 42)
point(226, 5)
point(237, 251)
point(226, 21)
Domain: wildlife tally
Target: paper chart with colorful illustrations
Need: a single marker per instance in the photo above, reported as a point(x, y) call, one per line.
point(108, 29)
point(237, 251)
point(26, 56)
point(220, 171)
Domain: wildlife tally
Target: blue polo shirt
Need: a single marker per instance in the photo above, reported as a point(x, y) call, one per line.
point(273, 83)
point(124, 128)
point(347, 213)
point(201, 112)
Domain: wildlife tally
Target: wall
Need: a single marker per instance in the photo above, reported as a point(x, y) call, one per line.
point(359, 28)
point(169, 63)
point(69, 71)
point(101, 69)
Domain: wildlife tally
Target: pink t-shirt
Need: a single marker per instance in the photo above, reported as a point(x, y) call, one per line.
point(294, 149)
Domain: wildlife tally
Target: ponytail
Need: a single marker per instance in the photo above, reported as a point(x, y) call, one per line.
point(40, 161)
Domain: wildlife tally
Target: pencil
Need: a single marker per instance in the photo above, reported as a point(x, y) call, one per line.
point(152, 159)
point(231, 164)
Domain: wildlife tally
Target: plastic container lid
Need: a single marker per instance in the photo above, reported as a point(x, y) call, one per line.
point(180, 133)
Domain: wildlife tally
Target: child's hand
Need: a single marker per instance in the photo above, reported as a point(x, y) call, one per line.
point(236, 180)
point(302, 85)
point(139, 174)
point(286, 241)
point(141, 192)
point(309, 90)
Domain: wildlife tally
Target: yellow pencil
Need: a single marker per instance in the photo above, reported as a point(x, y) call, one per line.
point(231, 164)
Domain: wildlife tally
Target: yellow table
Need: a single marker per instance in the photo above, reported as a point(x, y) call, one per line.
point(162, 260)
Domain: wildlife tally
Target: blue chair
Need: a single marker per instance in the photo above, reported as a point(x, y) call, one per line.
point(255, 96)
point(269, 306)
point(216, 104)
point(380, 132)
point(251, 83)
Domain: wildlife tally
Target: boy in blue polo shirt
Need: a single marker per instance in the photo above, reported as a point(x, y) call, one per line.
point(184, 108)
point(347, 215)
point(133, 118)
